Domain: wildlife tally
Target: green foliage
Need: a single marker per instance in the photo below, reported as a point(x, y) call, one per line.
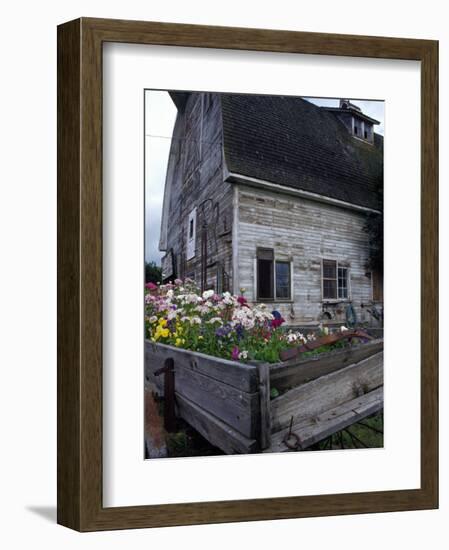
point(274, 392)
point(153, 273)
point(374, 228)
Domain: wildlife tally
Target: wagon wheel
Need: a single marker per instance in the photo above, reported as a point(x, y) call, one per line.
point(367, 433)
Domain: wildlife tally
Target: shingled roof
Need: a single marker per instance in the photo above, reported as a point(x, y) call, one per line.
point(294, 143)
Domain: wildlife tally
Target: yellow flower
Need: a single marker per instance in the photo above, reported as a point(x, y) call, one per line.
point(161, 332)
point(200, 337)
point(162, 322)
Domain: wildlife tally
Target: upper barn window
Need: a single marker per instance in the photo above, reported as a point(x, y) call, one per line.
point(191, 235)
point(335, 281)
point(273, 276)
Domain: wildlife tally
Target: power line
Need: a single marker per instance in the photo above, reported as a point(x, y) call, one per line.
point(216, 142)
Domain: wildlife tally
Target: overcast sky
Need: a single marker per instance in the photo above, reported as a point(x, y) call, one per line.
point(160, 114)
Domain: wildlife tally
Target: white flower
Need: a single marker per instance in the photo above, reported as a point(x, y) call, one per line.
point(208, 294)
point(243, 354)
point(153, 319)
point(215, 320)
point(172, 314)
point(326, 330)
point(170, 294)
point(291, 337)
point(343, 328)
point(195, 321)
point(228, 299)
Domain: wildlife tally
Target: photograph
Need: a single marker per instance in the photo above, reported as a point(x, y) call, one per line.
point(263, 267)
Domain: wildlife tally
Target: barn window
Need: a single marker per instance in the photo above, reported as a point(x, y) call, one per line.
point(335, 281)
point(343, 283)
point(191, 235)
point(283, 284)
point(273, 276)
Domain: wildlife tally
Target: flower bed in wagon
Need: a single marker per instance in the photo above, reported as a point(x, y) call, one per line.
point(230, 357)
point(222, 325)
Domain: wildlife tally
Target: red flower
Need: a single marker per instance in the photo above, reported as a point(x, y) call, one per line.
point(151, 286)
point(275, 323)
point(242, 300)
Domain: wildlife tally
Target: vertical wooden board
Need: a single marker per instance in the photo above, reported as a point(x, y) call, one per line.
point(234, 407)
point(213, 429)
point(265, 410)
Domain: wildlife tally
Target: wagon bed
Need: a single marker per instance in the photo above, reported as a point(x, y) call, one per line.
point(229, 402)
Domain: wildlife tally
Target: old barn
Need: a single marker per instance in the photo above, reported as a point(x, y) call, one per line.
point(271, 194)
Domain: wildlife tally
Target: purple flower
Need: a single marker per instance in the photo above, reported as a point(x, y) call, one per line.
point(221, 332)
point(239, 331)
point(235, 353)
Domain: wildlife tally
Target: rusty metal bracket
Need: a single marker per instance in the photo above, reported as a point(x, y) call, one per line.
point(168, 370)
point(292, 353)
point(292, 441)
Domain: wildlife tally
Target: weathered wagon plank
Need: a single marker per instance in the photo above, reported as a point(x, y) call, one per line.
point(292, 373)
point(240, 376)
point(328, 391)
point(237, 408)
point(218, 433)
point(331, 421)
point(265, 406)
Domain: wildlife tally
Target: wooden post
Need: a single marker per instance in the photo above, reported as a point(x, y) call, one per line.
point(265, 409)
point(169, 396)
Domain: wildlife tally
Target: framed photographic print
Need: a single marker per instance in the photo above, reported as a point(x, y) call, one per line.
point(247, 289)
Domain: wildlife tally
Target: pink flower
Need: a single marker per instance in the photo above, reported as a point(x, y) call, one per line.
point(235, 353)
point(151, 286)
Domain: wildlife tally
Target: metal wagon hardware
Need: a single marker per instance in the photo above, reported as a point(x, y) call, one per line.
point(229, 403)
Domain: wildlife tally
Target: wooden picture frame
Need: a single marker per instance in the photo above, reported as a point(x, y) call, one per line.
point(80, 504)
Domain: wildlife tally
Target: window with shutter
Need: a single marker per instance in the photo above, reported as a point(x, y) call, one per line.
point(273, 276)
point(191, 235)
point(335, 281)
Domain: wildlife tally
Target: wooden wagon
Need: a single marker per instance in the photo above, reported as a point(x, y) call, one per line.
point(229, 402)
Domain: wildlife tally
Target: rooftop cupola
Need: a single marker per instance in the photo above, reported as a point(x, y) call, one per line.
point(357, 123)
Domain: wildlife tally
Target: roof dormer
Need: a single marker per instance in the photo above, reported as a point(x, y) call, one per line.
point(357, 123)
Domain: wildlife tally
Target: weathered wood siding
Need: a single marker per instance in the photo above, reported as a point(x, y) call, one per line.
point(304, 232)
point(195, 180)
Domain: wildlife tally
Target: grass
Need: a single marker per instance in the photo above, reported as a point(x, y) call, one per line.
point(364, 434)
